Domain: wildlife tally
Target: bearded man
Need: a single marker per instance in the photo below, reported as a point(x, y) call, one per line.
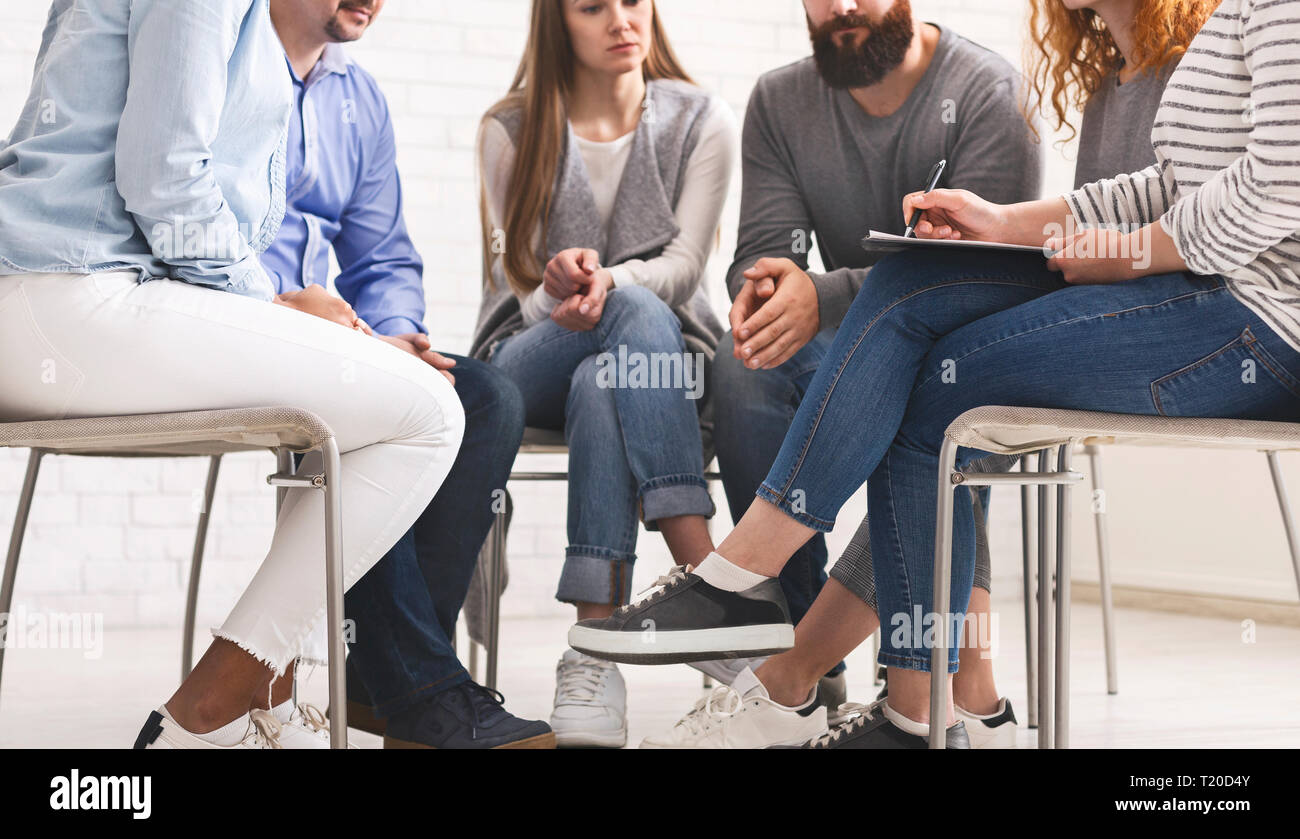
point(831, 145)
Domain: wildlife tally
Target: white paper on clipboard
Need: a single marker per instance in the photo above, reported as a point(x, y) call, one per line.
point(878, 242)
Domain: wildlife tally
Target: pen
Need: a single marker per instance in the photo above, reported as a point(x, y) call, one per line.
point(931, 182)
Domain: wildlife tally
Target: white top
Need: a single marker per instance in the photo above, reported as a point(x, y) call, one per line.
point(675, 274)
point(1226, 182)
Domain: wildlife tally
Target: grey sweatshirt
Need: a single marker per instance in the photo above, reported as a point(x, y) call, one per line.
point(815, 163)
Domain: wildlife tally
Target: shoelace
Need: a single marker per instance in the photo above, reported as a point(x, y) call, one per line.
point(579, 682)
point(674, 576)
point(855, 715)
point(265, 730)
point(721, 703)
point(479, 699)
point(312, 718)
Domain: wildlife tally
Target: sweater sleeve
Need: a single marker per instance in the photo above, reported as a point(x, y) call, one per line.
point(674, 275)
point(1254, 203)
point(497, 158)
point(1134, 199)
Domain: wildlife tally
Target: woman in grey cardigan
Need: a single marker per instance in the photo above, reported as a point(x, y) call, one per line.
point(595, 245)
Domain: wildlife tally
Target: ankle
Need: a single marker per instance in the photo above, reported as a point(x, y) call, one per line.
point(202, 717)
point(785, 686)
point(980, 699)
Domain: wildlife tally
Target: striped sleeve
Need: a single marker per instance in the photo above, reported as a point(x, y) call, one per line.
point(1253, 204)
point(1125, 200)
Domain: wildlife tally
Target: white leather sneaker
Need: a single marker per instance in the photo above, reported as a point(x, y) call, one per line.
point(590, 703)
point(306, 728)
point(160, 731)
point(726, 719)
point(997, 730)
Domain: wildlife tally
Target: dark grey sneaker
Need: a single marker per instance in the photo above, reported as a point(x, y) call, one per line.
point(866, 727)
point(468, 716)
point(685, 619)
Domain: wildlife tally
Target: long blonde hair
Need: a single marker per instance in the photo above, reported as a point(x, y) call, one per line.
point(1071, 51)
point(541, 89)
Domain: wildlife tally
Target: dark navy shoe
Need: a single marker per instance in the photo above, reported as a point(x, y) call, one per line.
point(867, 727)
point(468, 716)
point(685, 619)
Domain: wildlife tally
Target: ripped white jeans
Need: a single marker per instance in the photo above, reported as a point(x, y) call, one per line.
point(104, 344)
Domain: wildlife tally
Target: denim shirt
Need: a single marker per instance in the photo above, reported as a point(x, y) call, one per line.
point(152, 141)
point(344, 193)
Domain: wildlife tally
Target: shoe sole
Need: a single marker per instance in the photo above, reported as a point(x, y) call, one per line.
point(541, 741)
point(683, 646)
point(591, 740)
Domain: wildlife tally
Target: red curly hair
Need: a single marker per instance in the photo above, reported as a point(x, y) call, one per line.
point(1071, 51)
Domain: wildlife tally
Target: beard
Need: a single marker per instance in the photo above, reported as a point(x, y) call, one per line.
point(862, 62)
point(338, 32)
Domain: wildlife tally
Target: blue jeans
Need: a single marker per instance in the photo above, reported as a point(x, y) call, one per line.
point(932, 336)
point(752, 411)
point(405, 607)
point(631, 443)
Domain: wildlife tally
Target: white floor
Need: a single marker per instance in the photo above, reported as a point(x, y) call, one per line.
point(1183, 682)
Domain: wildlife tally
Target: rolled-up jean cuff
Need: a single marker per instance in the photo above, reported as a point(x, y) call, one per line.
point(912, 662)
point(675, 495)
point(786, 506)
point(596, 575)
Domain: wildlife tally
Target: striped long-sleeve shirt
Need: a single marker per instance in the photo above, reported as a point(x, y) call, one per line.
point(1226, 182)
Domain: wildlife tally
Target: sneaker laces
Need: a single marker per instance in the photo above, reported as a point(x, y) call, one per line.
point(311, 718)
point(483, 702)
point(579, 682)
point(720, 704)
point(674, 576)
point(264, 731)
point(854, 715)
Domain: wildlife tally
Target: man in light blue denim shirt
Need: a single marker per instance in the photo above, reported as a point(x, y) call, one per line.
point(158, 201)
point(344, 193)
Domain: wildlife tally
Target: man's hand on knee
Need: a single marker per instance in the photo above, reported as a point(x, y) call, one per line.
point(775, 314)
point(419, 346)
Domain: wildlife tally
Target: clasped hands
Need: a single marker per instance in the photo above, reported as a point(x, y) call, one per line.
point(575, 278)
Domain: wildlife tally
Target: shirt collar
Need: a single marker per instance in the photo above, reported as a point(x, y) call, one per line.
point(333, 60)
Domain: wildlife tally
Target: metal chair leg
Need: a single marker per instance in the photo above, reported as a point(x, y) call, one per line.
point(496, 568)
point(1028, 545)
point(1103, 569)
point(942, 596)
point(1292, 537)
point(16, 542)
point(334, 583)
point(1046, 525)
point(1061, 725)
point(196, 567)
point(473, 660)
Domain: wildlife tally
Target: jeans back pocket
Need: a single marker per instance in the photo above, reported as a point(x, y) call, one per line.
point(1241, 380)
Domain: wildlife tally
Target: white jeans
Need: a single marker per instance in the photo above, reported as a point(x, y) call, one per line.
point(104, 344)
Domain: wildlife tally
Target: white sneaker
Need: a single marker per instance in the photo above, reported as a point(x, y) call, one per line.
point(590, 703)
point(997, 730)
point(728, 719)
point(306, 728)
point(162, 732)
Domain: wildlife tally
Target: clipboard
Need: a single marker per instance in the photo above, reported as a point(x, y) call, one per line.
point(877, 242)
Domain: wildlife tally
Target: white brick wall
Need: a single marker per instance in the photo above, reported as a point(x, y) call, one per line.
point(115, 536)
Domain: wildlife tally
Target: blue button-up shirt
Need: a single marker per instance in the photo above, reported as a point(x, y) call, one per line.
point(344, 191)
point(152, 140)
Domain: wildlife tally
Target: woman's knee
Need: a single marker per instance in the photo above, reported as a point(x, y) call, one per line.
point(638, 314)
